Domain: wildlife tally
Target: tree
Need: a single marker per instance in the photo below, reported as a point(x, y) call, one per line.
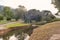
point(47, 15)
point(57, 4)
point(20, 12)
point(32, 14)
point(8, 13)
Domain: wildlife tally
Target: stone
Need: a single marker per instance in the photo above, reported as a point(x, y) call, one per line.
point(50, 31)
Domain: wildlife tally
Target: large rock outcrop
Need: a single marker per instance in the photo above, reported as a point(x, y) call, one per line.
point(50, 31)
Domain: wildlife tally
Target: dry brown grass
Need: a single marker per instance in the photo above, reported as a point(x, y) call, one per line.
point(46, 31)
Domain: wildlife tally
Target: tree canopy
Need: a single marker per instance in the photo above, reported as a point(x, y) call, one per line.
point(20, 11)
point(57, 4)
point(8, 12)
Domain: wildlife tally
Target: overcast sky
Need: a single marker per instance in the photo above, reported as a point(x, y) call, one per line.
point(30, 4)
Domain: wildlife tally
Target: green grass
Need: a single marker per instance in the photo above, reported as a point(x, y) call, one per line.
point(10, 24)
point(17, 24)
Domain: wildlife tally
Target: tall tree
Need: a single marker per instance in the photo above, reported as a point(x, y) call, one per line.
point(8, 12)
point(20, 11)
point(47, 15)
point(32, 14)
point(57, 4)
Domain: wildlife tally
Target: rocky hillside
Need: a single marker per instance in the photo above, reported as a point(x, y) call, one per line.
point(50, 31)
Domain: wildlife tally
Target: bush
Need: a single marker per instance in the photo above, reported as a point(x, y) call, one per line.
point(3, 21)
point(1, 17)
point(56, 19)
point(8, 18)
point(13, 20)
point(41, 23)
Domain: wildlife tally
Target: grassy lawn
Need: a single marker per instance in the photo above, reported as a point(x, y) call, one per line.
point(17, 24)
point(8, 24)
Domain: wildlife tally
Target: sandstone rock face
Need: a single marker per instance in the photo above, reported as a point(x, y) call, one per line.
point(50, 31)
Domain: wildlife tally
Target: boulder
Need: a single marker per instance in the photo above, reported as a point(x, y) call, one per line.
point(50, 31)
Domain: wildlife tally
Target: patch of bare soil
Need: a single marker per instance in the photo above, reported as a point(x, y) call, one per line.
point(50, 31)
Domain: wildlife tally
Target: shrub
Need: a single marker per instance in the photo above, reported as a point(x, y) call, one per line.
point(1, 17)
point(56, 19)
